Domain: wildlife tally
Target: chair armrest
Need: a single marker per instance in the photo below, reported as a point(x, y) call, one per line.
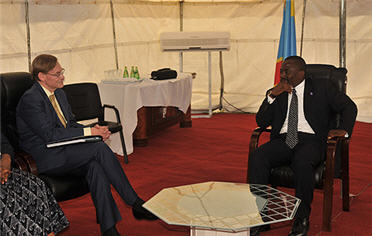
point(25, 162)
point(115, 110)
point(253, 143)
point(332, 145)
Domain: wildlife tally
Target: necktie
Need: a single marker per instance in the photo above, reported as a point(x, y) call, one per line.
point(292, 138)
point(52, 99)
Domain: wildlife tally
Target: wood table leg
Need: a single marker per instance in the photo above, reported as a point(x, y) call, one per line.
point(186, 119)
point(140, 134)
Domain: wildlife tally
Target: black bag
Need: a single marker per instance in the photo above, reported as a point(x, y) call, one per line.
point(162, 74)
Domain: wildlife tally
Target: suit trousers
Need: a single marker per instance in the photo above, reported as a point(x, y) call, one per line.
point(303, 159)
point(99, 165)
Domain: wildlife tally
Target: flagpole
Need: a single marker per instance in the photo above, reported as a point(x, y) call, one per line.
point(181, 29)
point(303, 27)
point(114, 34)
point(27, 19)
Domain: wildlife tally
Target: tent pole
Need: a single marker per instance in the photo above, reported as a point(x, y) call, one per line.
point(222, 85)
point(27, 18)
point(303, 27)
point(114, 34)
point(342, 33)
point(181, 29)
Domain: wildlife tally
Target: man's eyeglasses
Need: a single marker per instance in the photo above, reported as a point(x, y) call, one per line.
point(59, 74)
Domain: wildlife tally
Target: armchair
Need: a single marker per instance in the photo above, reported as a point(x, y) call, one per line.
point(336, 164)
point(13, 85)
point(86, 104)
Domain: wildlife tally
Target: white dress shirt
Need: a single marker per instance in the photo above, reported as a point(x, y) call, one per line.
point(303, 125)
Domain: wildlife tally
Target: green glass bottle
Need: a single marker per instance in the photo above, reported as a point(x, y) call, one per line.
point(132, 72)
point(136, 73)
point(125, 74)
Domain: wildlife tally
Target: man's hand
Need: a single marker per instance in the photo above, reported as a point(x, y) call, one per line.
point(337, 133)
point(5, 162)
point(103, 131)
point(282, 86)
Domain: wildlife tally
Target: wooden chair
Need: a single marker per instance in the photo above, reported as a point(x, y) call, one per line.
point(336, 164)
point(13, 85)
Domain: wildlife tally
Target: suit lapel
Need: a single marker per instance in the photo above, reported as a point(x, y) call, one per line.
point(43, 94)
point(50, 106)
point(308, 95)
point(46, 99)
point(62, 105)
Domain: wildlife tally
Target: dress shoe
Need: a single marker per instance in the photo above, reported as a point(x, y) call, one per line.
point(111, 232)
point(139, 212)
point(300, 227)
point(255, 231)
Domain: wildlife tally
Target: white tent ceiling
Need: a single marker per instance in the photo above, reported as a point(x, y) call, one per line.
point(80, 34)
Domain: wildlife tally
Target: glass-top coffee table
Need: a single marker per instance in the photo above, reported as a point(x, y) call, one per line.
point(221, 208)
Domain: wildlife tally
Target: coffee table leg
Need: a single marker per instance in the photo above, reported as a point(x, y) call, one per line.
point(194, 231)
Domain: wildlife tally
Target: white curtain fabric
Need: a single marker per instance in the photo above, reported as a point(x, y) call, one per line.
point(80, 34)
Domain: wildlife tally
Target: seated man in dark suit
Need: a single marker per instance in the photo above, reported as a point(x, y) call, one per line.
point(44, 115)
point(299, 110)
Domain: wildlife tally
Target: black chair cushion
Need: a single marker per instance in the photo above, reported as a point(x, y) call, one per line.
point(284, 176)
point(322, 71)
point(65, 187)
point(13, 85)
point(84, 100)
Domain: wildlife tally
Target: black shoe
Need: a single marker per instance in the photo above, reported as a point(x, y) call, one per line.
point(141, 213)
point(111, 232)
point(255, 231)
point(300, 227)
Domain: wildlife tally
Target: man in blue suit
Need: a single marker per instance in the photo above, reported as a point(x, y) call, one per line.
point(299, 135)
point(43, 116)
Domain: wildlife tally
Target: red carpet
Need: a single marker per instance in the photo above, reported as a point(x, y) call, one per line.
point(216, 149)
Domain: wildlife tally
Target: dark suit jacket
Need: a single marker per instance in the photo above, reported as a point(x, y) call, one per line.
point(321, 101)
point(38, 124)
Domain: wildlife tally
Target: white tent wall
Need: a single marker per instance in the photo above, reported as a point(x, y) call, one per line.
point(255, 29)
point(138, 26)
point(321, 45)
point(13, 45)
point(80, 34)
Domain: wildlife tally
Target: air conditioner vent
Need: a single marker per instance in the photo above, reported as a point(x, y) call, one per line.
point(183, 41)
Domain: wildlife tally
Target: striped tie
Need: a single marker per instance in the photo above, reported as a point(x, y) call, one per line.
point(52, 99)
point(292, 138)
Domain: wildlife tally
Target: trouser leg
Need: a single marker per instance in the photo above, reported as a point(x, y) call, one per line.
point(115, 174)
point(79, 155)
point(106, 209)
point(307, 157)
point(99, 164)
point(267, 156)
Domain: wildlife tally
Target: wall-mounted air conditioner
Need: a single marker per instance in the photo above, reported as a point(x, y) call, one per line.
point(189, 41)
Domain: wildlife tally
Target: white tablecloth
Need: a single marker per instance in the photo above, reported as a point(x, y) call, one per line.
point(129, 96)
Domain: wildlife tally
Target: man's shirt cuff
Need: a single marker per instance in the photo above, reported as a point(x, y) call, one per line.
point(87, 131)
point(270, 99)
